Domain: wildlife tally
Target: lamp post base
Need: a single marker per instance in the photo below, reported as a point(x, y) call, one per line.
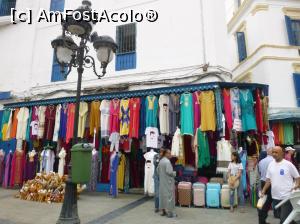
point(69, 212)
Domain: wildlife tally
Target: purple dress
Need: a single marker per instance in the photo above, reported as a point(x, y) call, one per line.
point(31, 166)
point(2, 167)
point(63, 121)
point(6, 179)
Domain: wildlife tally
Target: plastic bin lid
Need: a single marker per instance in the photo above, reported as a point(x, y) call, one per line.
point(82, 147)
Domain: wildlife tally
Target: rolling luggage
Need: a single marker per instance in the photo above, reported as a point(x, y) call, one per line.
point(216, 180)
point(213, 195)
point(199, 194)
point(185, 193)
point(225, 200)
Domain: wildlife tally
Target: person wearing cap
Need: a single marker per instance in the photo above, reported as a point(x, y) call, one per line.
point(289, 153)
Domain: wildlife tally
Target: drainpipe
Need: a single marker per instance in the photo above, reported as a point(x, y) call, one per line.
point(203, 30)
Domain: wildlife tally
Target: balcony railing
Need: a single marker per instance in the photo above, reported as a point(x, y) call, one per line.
point(5, 7)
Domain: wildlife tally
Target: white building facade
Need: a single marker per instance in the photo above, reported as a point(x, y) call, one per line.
point(264, 43)
point(171, 50)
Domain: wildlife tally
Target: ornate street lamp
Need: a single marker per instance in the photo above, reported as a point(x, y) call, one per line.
point(69, 55)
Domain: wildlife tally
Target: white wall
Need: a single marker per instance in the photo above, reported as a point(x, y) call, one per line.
point(174, 41)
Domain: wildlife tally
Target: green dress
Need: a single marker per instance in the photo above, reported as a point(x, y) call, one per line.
point(203, 149)
point(151, 111)
point(5, 119)
point(186, 114)
point(288, 133)
point(247, 104)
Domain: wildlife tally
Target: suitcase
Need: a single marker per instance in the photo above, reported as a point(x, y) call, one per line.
point(185, 193)
point(203, 180)
point(213, 195)
point(216, 180)
point(199, 194)
point(225, 201)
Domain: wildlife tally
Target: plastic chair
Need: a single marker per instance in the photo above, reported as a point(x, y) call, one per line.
point(295, 201)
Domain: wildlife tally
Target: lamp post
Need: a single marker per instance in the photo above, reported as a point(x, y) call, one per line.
point(69, 54)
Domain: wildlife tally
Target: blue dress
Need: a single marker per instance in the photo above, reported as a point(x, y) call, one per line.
point(142, 117)
point(186, 114)
point(247, 110)
point(114, 163)
point(151, 111)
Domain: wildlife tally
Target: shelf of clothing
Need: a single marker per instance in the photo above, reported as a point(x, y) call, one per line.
point(139, 93)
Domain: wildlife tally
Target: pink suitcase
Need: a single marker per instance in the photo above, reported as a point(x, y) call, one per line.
point(185, 193)
point(199, 194)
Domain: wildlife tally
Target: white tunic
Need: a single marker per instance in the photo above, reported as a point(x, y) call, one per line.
point(149, 171)
point(62, 155)
point(224, 149)
point(164, 109)
point(47, 161)
point(41, 115)
point(105, 114)
point(57, 123)
point(176, 143)
point(22, 118)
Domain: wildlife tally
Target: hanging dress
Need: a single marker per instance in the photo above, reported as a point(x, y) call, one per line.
point(174, 112)
point(62, 161)
point(57, 123)
point(208, 111)
point(124, 117)
point(95, 117)
point(265, 106)
point(219, 109)
point(83, 111)
point(186, 114)
point(49, 122)
point(114, 123)
point(31, 165)
point(114, 163)
point(149, 172)
point(197, 110)
point(202, 147)
point(259, 111)
point(227, 108)
point(2, 165)
point(34, 124)
point(151, 111)
point(94, 171)
point(7, 171)
point(121, 172)
point(13, 130)
point(142, 125)
point(22, 118)
point(105, 115)
point(288, 134)
point(5, 124)
point(70, 122)
point(63, 121)
point(17, 168)
point(134, 111)
point(41, 124)
point(247, 105)
point(236, 109)
point(164, 110)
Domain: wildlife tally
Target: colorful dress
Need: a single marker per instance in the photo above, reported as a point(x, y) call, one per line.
point(164, 110)
point(124, 117)
point(259, 111)
point(104, 111)
point(70, 122)
point(114, 123)
point(236, 109)
point(114, 163)
point(83, 111)
point(151, 111)
point(186, 114)
point(41, 124)
point(7, 171)
point(134, 124)
point(57, 123)
point(121, 172)
point(13, 130)
point(247, 104)
point(265, 106)
point(227, 108)
point(17, 168)
point(174, 112)
point(208, 111)
point(27, 136)
point(31, 165)
point(95, 117)
point(219, 109)
point(22, 118)
point(197, 110)
point(5, 122)
point(49, 122)
point(142, 125)
point(34, 124)
point(63, 121)
point(288, 134)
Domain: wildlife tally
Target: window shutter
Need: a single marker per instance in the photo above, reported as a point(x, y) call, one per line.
point(289, 29)
point(241, 42)
point(297, 87)
point(57, 5)
point(56, 74)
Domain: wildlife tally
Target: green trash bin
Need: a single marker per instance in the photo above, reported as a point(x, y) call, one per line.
point(81, 158)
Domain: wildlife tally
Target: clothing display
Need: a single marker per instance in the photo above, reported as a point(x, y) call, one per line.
point(208, 116)
point(50, 114)
point(151, 111)
point(94, 117)
point(247, 104)
point(114, 123)
point(105, 115)
point(41, 124)
point(124, 117)
point(47, 161)
point(83, 111)
point(22, 118)
point(164, 110)
point(236, 109)
point(202, 148)
point(149, 171)
point(186, 114)
point(227, 108)
point(134, 111)
point(174, 116)
point(31, 165)
point(224, 150)
point(197, 110)
point(57, 123)
point(114, 140)
point(14, 124)
point(70, 122)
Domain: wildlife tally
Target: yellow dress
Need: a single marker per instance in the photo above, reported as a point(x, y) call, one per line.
point(121, 172)
point(208, 113)
point(124, 117)
point(83, 110)
point(95, 117)
point(281, 133)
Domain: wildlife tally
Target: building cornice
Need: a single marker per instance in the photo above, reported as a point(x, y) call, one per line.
point(259, 7)
point(293, 13)
point(262, 47)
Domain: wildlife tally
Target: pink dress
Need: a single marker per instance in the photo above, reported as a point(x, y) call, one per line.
point(114, 122)
point(197, 111)
point(227, 108)
point(70, 122)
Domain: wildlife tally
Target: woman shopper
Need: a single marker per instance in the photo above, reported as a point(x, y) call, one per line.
point(235, 170)
point(156, 160)
point(166, 185)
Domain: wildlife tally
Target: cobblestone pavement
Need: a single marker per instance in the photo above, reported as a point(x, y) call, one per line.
point(127, 209)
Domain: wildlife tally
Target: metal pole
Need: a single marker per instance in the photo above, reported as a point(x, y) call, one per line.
point(69, 211)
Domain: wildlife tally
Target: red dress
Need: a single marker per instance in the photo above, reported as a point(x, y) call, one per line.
point(49, 122)
point(227, 108)
point(17, 168)
point(134, 111)
point(275, 129)
point(258, 111)
point(114, 123)
point(70, 122)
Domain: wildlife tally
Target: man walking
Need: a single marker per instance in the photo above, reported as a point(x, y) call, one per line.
point(281, 174)
point(262, 168)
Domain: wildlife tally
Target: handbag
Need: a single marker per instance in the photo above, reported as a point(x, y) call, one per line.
point(233, 183)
